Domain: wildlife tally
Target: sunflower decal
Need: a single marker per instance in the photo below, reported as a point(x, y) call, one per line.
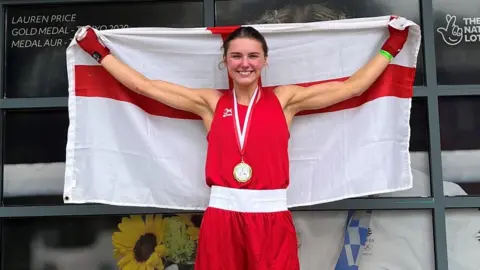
point(139, 243)
point(152, 242)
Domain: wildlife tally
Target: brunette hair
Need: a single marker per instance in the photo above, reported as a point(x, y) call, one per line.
point(245, 32)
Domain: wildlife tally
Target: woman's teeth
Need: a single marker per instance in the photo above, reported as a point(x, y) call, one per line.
point(245, 73)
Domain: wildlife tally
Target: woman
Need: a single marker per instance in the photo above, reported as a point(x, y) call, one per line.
point(247, 224)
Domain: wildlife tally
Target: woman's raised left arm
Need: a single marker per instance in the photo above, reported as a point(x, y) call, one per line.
point(298, 98)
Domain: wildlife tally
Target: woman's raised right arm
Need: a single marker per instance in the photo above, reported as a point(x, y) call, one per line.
point(192, 100)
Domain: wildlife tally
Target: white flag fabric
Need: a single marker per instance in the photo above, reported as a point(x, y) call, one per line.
point(126, 149)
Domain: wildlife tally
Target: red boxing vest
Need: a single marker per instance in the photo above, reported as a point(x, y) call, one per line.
point(266, 144)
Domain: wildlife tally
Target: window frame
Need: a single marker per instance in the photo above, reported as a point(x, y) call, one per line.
point(437, 203)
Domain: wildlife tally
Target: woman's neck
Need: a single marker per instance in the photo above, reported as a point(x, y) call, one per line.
point(244, 94)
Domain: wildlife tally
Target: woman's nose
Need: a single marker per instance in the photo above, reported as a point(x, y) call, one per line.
point(245, 61)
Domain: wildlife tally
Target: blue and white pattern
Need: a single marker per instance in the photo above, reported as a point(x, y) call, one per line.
point(356, 233)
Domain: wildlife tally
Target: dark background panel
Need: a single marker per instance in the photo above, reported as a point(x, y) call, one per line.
point(35, 136)
point(459, 122)
point(64, 243)
point(419, 132)
point(34, 156)
point(459, 136)
point(37, 36)
point(234, 12)
point(457, 52)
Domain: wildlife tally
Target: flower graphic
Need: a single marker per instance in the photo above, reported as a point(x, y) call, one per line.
point(139, 243)
point(192, 231)
point(155, 241)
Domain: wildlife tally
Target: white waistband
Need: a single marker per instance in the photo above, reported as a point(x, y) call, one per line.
point(247, 200)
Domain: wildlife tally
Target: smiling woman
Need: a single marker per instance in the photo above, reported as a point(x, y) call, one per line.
point(35, 139)
point(248, 187)
point(245, 53)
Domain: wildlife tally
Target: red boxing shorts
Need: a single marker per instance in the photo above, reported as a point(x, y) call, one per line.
point(247, 230)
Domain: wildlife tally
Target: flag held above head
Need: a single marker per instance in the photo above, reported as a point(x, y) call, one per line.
point(127, 149)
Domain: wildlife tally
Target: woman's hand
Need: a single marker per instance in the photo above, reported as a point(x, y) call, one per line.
point(88, 40)
point(398, 36)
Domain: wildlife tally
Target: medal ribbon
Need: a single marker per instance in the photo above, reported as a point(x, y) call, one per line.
point(242, 133)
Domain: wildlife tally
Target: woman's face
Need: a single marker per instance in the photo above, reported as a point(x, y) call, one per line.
point(245, 60)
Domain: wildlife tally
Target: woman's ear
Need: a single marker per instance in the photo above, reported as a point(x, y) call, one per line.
point(223, 63)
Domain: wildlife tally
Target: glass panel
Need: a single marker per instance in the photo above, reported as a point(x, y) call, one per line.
point(76, 243)
point(384, 235)
point(38, 36)
point(457, 39)
point(463, 236)
point(235, 12)
point(394, 232)
point(459, 129)
point(80, 243)
point(35, 156)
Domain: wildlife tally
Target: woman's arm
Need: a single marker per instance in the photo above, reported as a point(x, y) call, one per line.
point(298, 98)
point(173, 95)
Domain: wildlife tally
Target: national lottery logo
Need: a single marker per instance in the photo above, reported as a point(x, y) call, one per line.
point(453, 34)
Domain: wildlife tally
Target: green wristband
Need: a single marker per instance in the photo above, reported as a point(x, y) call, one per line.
point(386, 54)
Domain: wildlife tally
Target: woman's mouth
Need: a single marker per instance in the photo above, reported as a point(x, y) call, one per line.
point(245, 73)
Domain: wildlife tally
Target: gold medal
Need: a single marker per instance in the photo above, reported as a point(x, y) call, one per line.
point(242, 172)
